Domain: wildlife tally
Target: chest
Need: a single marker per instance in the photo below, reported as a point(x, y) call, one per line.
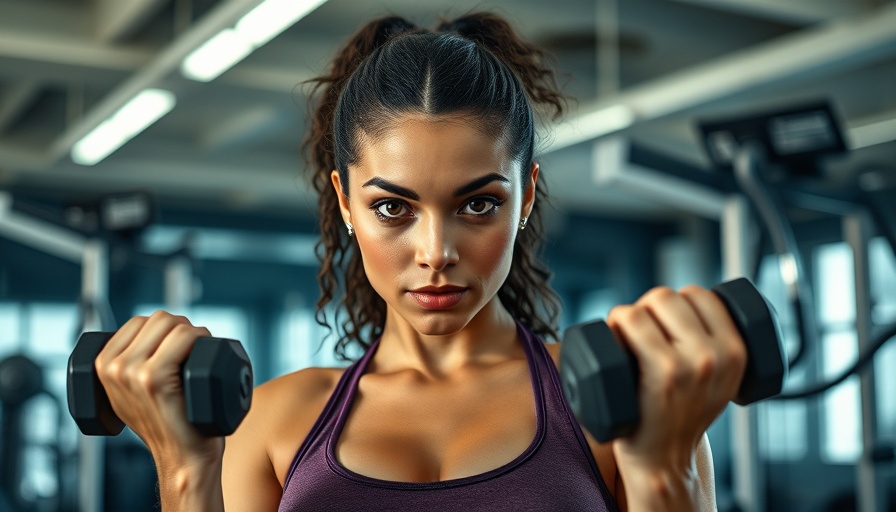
point(402, 430)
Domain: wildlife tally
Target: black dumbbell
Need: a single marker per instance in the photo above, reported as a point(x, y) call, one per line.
point(600, 377)
point(217, 378)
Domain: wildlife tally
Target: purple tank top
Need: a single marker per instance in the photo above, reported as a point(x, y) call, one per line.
point(557, 472)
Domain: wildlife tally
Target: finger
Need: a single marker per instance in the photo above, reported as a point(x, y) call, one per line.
point(122, 338)
point(725, 340)
point(674, 314)
point(635, 327)
point(154, 331)
point(177, 345)
point(711, 310)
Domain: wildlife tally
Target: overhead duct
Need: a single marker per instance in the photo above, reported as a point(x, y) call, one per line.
point(827, 49)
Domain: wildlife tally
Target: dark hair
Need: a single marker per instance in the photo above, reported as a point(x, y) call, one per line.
point(475, 66)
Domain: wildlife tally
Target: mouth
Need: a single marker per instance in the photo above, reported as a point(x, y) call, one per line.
point(438, 297)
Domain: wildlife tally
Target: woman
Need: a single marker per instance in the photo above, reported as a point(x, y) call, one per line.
point(422, 146)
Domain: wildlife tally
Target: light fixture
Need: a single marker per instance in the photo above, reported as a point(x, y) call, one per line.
point(252, 31)
point(135, 116)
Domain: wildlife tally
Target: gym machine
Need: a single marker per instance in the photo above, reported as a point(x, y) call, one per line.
point(772, 160)
point(84, 235)
point(90, 254)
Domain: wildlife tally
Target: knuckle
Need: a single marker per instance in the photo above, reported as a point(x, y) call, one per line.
point(737, 354)
point(110, 371)
point(138, 321)
point(160, 314)
point(146, 378)
point(705, 365)
point(626, 313)
point(659, 295)
point(182, 329)
point(694, 290)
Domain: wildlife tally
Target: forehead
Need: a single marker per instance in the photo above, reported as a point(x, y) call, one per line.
point(433, 150)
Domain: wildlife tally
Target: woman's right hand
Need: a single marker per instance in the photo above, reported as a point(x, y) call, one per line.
point(140, 369)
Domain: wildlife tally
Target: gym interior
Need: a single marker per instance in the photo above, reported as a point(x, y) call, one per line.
point(705, 140)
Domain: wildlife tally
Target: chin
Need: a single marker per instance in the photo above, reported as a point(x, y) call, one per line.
point(442, 323)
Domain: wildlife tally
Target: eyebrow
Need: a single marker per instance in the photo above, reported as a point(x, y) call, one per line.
point(410, 194)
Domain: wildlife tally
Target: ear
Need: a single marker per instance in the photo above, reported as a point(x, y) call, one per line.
point(343, 199)
point(529, 192)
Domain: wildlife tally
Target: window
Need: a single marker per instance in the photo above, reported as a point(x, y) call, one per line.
point(882, 266)
point(841, 440)
point(782, 425)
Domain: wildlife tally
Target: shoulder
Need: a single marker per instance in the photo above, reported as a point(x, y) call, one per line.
point(304, 385)
point(283, 412)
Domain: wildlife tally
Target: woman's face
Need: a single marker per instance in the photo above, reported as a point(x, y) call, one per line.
point(435, 207)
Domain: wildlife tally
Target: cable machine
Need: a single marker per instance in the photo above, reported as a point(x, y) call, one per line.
point(769, 161)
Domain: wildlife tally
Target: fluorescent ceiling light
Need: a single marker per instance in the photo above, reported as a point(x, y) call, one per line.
point(253, 30)
point(272, 17)
point(593, 125)
point(135, 116)
point(215, 56)
point(607, 120)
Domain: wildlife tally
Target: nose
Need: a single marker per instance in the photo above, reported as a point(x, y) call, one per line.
point(436, 248)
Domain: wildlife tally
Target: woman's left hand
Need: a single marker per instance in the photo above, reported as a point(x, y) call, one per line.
point(692, 359)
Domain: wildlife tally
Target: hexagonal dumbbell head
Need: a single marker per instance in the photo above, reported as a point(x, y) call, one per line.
point(600, 380)
point(87, 400)
point(755, 320)
point(217, 380)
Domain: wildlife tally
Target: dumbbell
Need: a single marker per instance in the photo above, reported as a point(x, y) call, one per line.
point(217, 380)
point(600, 377)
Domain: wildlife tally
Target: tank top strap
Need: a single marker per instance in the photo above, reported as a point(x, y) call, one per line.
point(334, 409)
point(559, 413)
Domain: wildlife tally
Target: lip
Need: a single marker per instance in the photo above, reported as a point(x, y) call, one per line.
point(448, 288)
point(438, 297)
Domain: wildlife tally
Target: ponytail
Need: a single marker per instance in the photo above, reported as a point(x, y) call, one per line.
point(484, 69)
point(529, 62)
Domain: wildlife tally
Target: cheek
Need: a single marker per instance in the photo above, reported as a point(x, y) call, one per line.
point(384, 257)
point(490, 257)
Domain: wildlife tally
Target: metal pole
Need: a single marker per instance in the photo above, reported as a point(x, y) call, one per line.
point(857, 231)
point(748, 473)
point(178, 284)
point(92, 449)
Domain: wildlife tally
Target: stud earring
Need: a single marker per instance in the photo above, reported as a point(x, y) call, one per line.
point(523, 222)
point(350, 228)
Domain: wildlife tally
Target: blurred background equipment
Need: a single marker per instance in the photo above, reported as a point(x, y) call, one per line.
point(149, 159)
point(21, 380)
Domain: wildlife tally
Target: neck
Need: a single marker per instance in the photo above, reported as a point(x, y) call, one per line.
point(488, 338)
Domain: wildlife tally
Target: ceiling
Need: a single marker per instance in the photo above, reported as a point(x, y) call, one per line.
point(232, 144)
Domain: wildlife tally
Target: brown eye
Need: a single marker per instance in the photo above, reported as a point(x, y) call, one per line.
point(480, 206)
point(391, 209)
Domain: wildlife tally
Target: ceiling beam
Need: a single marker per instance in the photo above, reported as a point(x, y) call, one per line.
point(224, 15)
point(116, 19)
point(15, 100)
point(819, 51)
point(48, 48)
point(798, 12)
point(249, 124)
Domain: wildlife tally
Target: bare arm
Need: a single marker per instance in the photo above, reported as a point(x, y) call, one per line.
point(695, 490)
point(258, 455)
point(248, 478)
